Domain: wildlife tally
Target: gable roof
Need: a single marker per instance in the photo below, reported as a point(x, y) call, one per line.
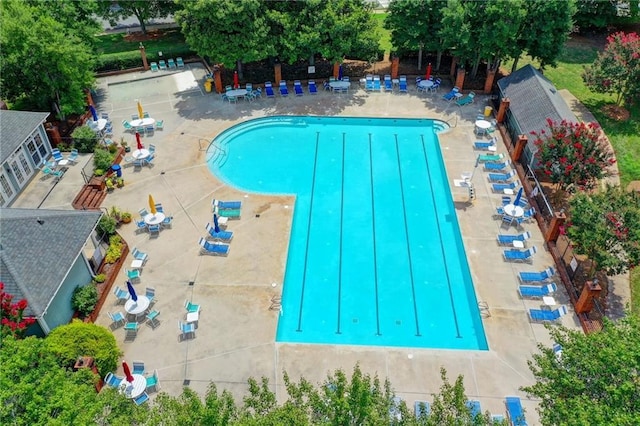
point(15, 128)
point(533, 99)
point(38, 248)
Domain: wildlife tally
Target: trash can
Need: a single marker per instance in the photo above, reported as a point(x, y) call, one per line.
point(487, 111)
point(117, 170)
point(207, 85)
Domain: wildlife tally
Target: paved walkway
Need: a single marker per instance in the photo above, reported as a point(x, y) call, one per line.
point(235, 338)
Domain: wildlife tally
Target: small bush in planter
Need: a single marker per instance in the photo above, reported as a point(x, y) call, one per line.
point(106, 226)
point(102, 159)
point(84, 139)
point(84, 299)
point(100, 278)
point(115, 249)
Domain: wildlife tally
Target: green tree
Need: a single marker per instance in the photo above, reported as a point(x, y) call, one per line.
point(605, 226)
point(78, 16)
point(143, 10)
point(595, 379)
point(45, 65)
point(70, 341)
point(573, 155)
point(617, 69)
point(595, 14)
point(544, 30)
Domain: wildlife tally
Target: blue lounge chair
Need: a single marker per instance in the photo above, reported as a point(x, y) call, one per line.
point(497, 166)
point(180, 62)
point(313, 89)
point(402, 86)
point(466, 100)
point(284, 92)
point(163, 64)
point(501, 177)
point(215, 249)
point(544, 315)
point(112, 380)
point(144, 397)
point(226, 205)
point(536, 291)
point(228, 213)
point(297, 88)
point(451, 95)
point(515, 411)
point(388, 84)
point(509, 239)
point(225, 236)
point(56, 154)
point(171, 63)
point(376, 83)
point(73, 156)
point(368, 85)
point(527, 277)
point(154, 67)
point(500, 187)
point(422, 409)
point(268, 89)
point(485, 145)
point(520, 255)
point(491, 158)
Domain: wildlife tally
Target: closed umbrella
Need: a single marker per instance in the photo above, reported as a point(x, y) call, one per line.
point(216, 227)
point(428, 74)
point(127, 372)
point(518, 197)
point(152, 205)
point(140, 110)
point(139, 141)
point(340, 72)
point(94, 113)
point(236, 81)
point(132, 291)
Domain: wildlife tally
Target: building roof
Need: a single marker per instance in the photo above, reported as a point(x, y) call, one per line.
point(37, 250)
point(15, 128)
point(533, 99)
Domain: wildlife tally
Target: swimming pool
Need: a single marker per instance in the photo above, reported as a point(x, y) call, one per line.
point(375, 254)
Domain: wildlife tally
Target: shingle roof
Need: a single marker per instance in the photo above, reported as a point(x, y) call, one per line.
point(37, 249)
point(15, 127)
point(533, 99)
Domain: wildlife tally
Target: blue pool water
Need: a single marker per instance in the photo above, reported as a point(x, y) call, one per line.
point(375, 254)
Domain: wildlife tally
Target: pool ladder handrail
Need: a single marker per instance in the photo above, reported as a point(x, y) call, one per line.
point(219, 153)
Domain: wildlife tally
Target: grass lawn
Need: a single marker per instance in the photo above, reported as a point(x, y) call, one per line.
point(166, 42)
point(385, 36)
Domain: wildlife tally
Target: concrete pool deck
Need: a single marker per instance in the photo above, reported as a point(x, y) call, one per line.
point(235, 338)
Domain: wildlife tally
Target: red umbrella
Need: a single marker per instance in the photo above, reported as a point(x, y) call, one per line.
point(236, 82)
point(426, 77)
point(127, 372)
point(138, 141)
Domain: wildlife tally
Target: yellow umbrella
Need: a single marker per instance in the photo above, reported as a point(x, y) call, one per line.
point(140, 111)
point(152, 205)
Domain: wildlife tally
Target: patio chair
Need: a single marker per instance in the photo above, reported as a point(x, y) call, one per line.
point(501, 177)
point(485, 145)
point(436, 86)
point(496, 166)
point(528, 215)
point(160, 125)
point(112, 380)
point(154, 231)
point(152, 319)
point(131, 331)
point(284, 92)
point(149, 160)
point(140, 226)
point(229, 213)
point(139, 255)
point(191, 307)
point(150, 292)
point(154, 66)
point(388, 84)
point(117, 319)
point(257, 93)
point(515, 412)
point(536, 291)
point(148, 130)
point(144, 397)
point(527, 277)
point(162, 64)
point(56, 154)
point(268, 88)
point(135, 117)
point(313, 89)
point(73, 156)
point(57, 174)
point(490, 158)
point(545, 315)
point(214, 249)
point(180, 62)
point(171, 63)
point(138, 367)
point(466, 100)
point(422, 409)
point(226, 205)
point(509, 239)
point(452, 94)
point(225, 236)
point(520, 255)
point(153, 383)
point(376, 83)
point(297, 88)
point(474, 408)
point(326, 86)
point(167, 222)
point(133, 275)
point(187, 330)
point(402, 85)
point(121, 295)
point(143, 212)
point(500, 187)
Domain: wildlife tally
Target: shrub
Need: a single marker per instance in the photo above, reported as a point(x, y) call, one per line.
point(100, 278)
point(107, 226)
point(102, 159)
point(70, 341)
point(84, 139)
point(84, 299)
point(115, 249)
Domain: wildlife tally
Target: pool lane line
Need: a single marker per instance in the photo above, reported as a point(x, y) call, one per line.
point(306, 252)
point(406, 233)
point(444, 258)
point(373, 228)
point(338, 331)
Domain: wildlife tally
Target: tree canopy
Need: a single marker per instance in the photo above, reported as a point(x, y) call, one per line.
point(143, 10)
point(594, 380)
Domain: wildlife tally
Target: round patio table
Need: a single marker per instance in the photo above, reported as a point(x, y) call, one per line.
point(141, 122)
point(513, 210)
point(140, 154)
point(154, 219)
point(135, 388)
point(138, 307)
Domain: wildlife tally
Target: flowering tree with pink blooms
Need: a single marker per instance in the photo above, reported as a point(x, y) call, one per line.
point(573, 155)
point(12, 320)
point(605, 227)
point(617, 69)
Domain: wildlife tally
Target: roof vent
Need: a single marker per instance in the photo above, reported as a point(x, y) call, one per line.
point(40, 221)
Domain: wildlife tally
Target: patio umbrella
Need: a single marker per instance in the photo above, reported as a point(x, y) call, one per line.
point(132, 291)
point(236, 81)
point(216, 227)
point(340, 72)
point(428, 74)
point(518, 196)
point(152, 205)
point(138, 141)
point(94, 113)
point(140, 110)
point(127, 372)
